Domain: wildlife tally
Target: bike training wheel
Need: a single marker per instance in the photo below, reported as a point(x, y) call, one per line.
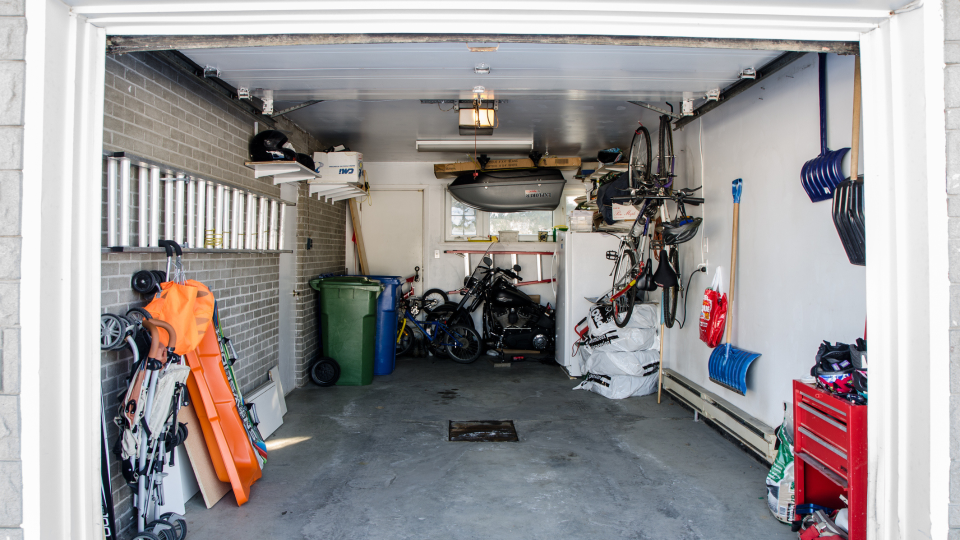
point(464, 345)
point(325, 372)
point(623, 273)
point(179, 524)
point(639, 159)
point(668, 302)
point(434, 298)
point(404, 339)
point(112, 331)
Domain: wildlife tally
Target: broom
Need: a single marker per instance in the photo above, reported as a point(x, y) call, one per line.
point(728, 365)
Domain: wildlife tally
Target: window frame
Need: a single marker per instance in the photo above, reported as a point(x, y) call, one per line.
point(483, 221)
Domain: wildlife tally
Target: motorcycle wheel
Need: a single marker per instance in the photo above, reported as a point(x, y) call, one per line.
point(464, 346)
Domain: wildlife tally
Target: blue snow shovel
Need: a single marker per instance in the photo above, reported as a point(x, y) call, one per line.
point(728, 365)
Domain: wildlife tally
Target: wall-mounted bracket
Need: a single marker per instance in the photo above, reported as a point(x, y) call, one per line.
point(656, 109)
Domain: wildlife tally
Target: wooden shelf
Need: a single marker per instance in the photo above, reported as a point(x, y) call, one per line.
point(281, 171)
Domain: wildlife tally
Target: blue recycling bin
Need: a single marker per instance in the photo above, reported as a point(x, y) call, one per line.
point(385, 352)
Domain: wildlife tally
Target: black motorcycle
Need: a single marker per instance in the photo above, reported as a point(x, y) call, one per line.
point(511, 319)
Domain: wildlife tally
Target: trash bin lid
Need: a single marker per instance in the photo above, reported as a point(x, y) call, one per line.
point(387, 280)
point(346, 282)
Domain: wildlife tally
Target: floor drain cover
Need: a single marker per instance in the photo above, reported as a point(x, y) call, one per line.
point(484, 431)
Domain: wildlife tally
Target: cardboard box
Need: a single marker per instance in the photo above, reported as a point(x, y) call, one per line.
point(625, 212)
point(452, 170)
point(339, 166)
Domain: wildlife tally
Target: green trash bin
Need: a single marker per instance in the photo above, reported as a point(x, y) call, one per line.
point(348, 325)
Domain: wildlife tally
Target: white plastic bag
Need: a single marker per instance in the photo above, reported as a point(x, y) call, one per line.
point(622, 340)
point(619, 386)
point(600, 318)
point(636, 363)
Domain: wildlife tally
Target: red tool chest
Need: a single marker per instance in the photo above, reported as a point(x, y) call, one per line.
point(830, 453)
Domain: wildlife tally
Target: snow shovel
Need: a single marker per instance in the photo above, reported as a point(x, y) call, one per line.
point(848, 198)
point(820, 175)
point(728, 365)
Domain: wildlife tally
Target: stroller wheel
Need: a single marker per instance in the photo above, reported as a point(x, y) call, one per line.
point(138, 315)
point(144, 282)
point(163, 530)
point(176, 521)
point(145, 535)
point(112, 331)
point(325, 372)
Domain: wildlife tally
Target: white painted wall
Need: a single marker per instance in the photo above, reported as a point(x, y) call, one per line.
point(447, 272)
point(795, 286)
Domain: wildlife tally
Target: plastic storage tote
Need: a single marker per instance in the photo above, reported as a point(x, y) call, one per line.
point(348, 324)
point(385, 353)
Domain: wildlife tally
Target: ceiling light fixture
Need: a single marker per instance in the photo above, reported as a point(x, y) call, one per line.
point(483, 47)
point(482, 69)
point(489, 146)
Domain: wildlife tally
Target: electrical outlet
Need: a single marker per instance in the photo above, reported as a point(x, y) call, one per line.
point(436, 254)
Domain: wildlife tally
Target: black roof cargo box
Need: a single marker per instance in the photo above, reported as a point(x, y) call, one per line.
point(514, 190)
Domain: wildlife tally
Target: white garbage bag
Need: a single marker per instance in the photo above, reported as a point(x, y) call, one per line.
point(644, 316)
point(622, 340)
point(636, 363)
point(619, 386)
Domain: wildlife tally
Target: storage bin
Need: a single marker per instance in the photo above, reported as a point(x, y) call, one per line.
point(385, 352)
point(348, 324)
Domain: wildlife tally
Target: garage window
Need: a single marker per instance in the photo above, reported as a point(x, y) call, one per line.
point(463, 222)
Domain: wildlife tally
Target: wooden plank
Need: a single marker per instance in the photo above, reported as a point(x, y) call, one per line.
point(452, 170)
point(211, 487)
point(361, 251)
point(129, 44)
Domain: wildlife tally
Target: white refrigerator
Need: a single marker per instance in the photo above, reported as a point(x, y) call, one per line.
point(582, 270)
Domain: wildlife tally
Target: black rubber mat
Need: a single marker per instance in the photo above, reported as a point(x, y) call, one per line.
point(484, 431)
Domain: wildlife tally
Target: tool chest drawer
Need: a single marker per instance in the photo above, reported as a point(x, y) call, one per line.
point(830, 452)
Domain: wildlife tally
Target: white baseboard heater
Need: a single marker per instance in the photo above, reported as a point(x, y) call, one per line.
point(758, 437)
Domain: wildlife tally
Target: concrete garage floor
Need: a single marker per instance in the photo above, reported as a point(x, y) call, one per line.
point(373, 462)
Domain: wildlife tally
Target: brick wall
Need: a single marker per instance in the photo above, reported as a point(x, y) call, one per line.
point(246, 286)
point(325, 224)
point(952, 96)
point(154, 111)
point(12, 70)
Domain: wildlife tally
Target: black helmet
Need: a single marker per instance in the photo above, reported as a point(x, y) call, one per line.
point(307, 162)
point(680, 230)
point(268, 146)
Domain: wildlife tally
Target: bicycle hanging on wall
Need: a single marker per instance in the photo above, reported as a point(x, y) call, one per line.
point(648, 192)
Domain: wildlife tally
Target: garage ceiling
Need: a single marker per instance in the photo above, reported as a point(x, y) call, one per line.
point(572, 99)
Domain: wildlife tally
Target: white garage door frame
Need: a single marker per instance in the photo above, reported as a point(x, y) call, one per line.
point(905, 164)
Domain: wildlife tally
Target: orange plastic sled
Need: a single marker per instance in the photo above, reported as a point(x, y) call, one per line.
point(230, 449)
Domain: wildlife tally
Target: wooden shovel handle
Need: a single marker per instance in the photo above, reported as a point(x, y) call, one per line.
point(733, 269)
point(855, 143)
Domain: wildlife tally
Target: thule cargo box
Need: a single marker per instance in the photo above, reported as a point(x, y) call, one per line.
point(510, 190)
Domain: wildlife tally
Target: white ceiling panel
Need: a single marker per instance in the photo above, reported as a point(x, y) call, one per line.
point(446, 70)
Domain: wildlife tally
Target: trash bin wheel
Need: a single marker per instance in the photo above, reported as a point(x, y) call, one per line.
point(325, 372)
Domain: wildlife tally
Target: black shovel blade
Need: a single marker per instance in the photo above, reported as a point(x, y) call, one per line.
point(848, 220)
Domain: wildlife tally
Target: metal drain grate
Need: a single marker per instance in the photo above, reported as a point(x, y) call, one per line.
point(484, 431)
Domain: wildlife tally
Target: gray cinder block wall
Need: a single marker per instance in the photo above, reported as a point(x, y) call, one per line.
point(12, 78)
point(154, 111)
point(951, 53)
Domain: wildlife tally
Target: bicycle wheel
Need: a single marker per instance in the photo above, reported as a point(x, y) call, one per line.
point(639, 159)
point(464, 345)
point(668, 302)
point(623, 273)
point(434, 298)
point(666, 159)
point(404, 338)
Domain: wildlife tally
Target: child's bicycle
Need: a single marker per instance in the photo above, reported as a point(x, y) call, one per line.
point(461, 343)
